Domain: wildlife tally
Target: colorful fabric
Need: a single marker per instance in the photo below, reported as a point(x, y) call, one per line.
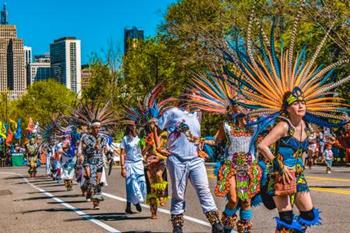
point(247, 174)
point(18, 134)
point(3, 130)
point(290, 152)
point(68, 166)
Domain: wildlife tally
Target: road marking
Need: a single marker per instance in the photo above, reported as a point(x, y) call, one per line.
point(192, 219)
point(332, 190)
point(327, 178)
point(68, 206)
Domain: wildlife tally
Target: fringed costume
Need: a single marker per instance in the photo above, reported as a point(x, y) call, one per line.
point(146, 116)
point(271, 84)
point(32, 151)
point(94, 145)
point(239, 174)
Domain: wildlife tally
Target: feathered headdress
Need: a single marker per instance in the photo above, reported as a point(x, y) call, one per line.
point(211, 92)
point(271, 82)
point(150, 108)
point(86, 114)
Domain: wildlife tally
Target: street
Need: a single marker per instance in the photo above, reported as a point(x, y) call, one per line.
point(41, 205)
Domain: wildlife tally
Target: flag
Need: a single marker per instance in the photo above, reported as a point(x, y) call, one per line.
point(2, 130)
point(9, 136)
point(18, 134)
point(30, 128)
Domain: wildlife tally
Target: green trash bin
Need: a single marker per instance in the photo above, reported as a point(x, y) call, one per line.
point(17, 159)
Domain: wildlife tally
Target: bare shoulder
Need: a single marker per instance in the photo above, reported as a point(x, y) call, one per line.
point(282, 128)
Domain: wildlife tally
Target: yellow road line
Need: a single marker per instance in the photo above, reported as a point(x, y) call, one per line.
point(332, 190)
point(327, 178)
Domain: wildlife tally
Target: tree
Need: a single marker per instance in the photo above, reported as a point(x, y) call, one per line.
point(147, 65)
point(42, 101)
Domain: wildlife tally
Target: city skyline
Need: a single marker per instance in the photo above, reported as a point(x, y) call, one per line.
point(40, 22)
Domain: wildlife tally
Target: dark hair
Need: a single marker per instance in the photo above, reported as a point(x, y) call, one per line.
point(128, 129)
point(285, 97)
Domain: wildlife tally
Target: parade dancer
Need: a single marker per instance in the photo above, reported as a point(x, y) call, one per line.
point(94, 146)
point(68, 160)
point(32, 149)
point(80, 170)
point(184, 164)
point(132, 169)
point(55, 162)
point(295, 91)
point(155, 155)
point(239, 174)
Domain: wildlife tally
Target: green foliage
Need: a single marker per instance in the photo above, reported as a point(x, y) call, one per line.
point(42, 101)
point(145, 66)
point(185, 44)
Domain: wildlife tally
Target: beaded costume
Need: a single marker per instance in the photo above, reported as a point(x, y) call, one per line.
point(156, 173)
point(217, 95)
point(269, 84)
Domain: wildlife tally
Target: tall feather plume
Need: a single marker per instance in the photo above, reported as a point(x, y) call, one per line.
point(266, 76)
point(293, 36)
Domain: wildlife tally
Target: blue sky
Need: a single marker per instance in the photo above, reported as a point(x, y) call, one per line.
point(97, 23)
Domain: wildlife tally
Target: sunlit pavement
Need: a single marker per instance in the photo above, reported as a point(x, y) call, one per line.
point(42, 205)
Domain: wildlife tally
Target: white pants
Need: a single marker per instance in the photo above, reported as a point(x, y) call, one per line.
point(195, 171)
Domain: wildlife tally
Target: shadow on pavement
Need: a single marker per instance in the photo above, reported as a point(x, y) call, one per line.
point(46, 182)
point(69, 202)
point(46, 197)
point(53, 191)
point(110, 217)
point(52, 210)
point(25, 176)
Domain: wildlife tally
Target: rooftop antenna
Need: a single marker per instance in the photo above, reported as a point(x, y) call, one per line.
point(4, 14)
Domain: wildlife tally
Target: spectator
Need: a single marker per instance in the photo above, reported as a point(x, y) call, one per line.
point(328, 157)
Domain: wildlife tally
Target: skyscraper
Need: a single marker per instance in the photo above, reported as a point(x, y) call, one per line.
point(66, 62)
point(40, 69)
point(132, 37)
point(27, 61)
point(28, 57)
point(12, 66)
point(4, 15)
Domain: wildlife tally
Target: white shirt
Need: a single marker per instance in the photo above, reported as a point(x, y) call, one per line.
point(178, 143)
point(237, 143)
point(131, 146)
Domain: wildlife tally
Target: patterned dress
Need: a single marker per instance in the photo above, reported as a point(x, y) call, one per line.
point(93, 151)
point(289, 153)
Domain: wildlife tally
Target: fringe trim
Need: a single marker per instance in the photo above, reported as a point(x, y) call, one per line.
point(155, 196)
point(296, 226)
point(160, 186)
point(315, 222)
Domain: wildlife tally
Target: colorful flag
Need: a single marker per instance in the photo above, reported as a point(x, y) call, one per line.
point(18, 134)
point(2, 130)
point(9, 136)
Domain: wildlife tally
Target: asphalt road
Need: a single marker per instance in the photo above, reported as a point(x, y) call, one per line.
point(41, 205)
